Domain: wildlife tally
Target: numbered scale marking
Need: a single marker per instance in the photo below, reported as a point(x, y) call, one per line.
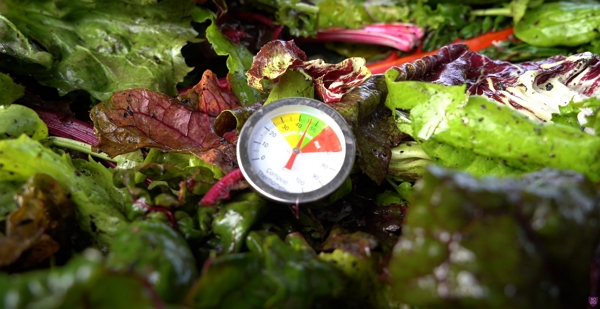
point(296, 150)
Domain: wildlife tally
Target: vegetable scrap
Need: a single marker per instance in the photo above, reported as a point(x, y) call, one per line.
point(475, 184)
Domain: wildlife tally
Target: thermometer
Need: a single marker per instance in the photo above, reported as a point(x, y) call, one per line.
point(296, 150)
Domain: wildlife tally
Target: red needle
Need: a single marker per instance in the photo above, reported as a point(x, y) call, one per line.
point(296, 150)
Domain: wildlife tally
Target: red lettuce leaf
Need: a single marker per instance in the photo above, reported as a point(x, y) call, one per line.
point(332, 81)
point(137, 118)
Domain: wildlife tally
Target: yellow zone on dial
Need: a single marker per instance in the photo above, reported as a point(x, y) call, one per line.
point(292, 126)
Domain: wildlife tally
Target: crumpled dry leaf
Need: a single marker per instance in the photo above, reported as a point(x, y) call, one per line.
point(137, 118)
point(37, 229)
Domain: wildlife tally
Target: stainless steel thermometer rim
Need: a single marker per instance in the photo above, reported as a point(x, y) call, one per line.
point(299, 105)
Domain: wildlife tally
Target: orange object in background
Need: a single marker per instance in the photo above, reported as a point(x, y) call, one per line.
point(475, 44)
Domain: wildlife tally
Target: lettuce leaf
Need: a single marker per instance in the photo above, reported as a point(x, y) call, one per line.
point(18, 119)
point(9, 91)
point(103, 46)
point(15, 44)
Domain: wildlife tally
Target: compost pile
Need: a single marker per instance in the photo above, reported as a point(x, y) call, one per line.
point(476, 182)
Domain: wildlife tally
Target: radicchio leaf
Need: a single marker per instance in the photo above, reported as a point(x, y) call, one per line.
point(331, 80)
point(137, 118)
point(536, 89)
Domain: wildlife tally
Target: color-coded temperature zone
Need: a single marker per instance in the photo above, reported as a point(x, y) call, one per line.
point(318, 138)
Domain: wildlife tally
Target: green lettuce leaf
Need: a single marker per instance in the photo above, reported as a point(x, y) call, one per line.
point(15, 44)
point(292, 84)
point(137, 47)
point(18, 119)
point(9, 91)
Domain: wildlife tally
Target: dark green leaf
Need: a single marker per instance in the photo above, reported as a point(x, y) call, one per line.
point(273, 275)
point(474, 237)
point(83, 283)
point(234, 220)
point(138, 46)
point(158, 253)
point(99, 203)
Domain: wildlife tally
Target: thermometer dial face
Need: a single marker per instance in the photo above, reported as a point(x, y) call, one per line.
point(296, 150)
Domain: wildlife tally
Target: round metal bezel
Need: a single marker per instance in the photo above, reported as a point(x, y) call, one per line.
point(272, 193)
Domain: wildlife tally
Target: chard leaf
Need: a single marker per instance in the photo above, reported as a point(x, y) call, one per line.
point(84, 281)
point(18, 119)
point(157, 252)
point(331, 81)
point(513, 231)
point(98, 201)
point(9, 91)
point(274, 274)
point(234, 220)
point(15, 44)
point(137, 118)
point(139, 46)
point(239, 59)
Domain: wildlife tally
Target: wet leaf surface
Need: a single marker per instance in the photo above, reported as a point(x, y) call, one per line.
point(137, 118)
point(466, 239)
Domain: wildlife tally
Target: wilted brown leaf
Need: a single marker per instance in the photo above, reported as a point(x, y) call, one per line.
point(35, 231)
point(137, 118)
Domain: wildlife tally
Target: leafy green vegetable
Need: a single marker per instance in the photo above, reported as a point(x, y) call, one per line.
point(299, 17)
point(234, 220)
point(17, 119)
point(9, 90)
point(90, 184)
point(292, 84)
point(83, 283)
point(374, 127)
point(239, 58)
point(139, 46)
point(159, 253)
point(408, 162)
point(466, 240)
point(274, 274)
point(448, 115)
point(366, 288)
point(560, 23)
point(15, 44)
